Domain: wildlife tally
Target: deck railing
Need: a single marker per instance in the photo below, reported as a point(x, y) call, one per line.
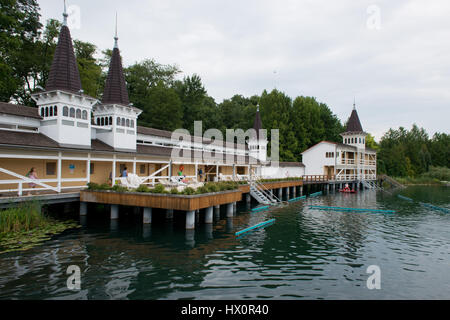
point(317, 178)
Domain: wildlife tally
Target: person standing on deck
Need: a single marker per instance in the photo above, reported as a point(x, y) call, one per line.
point(32, 175)
point(125, 172)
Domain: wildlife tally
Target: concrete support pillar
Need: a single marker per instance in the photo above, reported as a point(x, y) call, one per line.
point(147, 216)
point(280, 193)
point(301, 191)
point(230, 210)
point(83, 208)
point(209, 215)
point(234, 207)
point(190, 220)
point(294, 192)
point(217, 213)
point(114, 212)
point(248, 198)
point(169, 214)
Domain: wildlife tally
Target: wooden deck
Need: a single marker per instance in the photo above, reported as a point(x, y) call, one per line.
point(162, 201)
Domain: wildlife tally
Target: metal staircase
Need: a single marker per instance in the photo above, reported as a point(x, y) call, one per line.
point(371, 185)
point(261, 193)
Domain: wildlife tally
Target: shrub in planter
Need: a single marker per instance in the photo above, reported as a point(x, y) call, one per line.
point(143, 188)
point(119, 188)
point(188, 191)
point(159, 188)
point(174, 191)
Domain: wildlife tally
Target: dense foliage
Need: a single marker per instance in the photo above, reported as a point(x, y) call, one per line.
point(168, 102)
point(404, 153)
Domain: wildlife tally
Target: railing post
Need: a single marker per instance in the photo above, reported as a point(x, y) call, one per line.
point(20, 189)
point(59, 172)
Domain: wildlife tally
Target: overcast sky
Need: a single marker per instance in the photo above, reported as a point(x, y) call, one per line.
point(393, 56)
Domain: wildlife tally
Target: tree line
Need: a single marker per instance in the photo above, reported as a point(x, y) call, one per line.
point(170, 102)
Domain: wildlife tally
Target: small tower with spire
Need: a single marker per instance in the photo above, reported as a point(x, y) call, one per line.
point(354, 134)
point(65, 109)
point(257, 143)
point(115, 117)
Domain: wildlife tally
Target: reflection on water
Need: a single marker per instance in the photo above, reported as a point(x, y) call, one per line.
point(305, 254)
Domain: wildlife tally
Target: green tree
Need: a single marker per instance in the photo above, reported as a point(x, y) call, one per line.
point(163, 109)
point(19, 29)
point(90, 70)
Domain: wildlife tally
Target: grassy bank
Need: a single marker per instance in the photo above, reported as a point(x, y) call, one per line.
point(25, 226)
point(435, 176)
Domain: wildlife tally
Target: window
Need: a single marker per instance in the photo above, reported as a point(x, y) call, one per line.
point(102, 122)
point(91, 168)
point(72, 112)
point(360, 140)
point(127, 122)
point(118, 122)
point(123, 122)
point(55, 113)
point(110, 121)
point(51, 112)
point(42, 112)
point(50, 168)
point(78, 114)
point(132, 123)
point(46, 111)
point(65, 111)
point(142, 169)
point(98, 121)
point(84, 116)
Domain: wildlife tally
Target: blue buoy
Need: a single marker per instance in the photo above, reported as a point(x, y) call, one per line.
point(258, 226)
point(260, 209)
point(435, 207)
point(404, 198)
point(351, 209)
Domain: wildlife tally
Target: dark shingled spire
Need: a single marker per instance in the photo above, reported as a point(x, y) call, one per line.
point(115, 88)
point(257, 124)
point(64, 73)
point(354, 125)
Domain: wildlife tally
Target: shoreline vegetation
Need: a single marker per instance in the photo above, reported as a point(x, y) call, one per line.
point(435, 176)
point(25, 226)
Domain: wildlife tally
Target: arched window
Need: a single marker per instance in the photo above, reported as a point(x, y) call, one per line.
point(42, 112)
point(78, 113)
point(65, 111)
point(55, 112)
point(132, 124)
point(102, 122)
point(51, 112)
point(127, 122)
point(123, 122)
point(118, 122)
point(110, 121)
point(72, 112)
point(84, 115)
point(98, 121)
point(46, 111)
point(360, 140)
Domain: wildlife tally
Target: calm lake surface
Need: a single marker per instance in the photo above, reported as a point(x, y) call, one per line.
point(306, 254)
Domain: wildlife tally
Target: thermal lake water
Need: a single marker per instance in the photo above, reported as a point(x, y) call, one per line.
point(306, 254)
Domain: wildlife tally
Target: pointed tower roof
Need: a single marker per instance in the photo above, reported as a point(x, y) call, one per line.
point(353, 124)
point(115, 87)
point(64, 73)
point(257, 124)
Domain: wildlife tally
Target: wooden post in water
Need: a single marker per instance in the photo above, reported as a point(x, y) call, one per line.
point(83, 208)
point(230, 210)
point(190, 220)
point(209, 215)
point(147, 216)
point(114, 212)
